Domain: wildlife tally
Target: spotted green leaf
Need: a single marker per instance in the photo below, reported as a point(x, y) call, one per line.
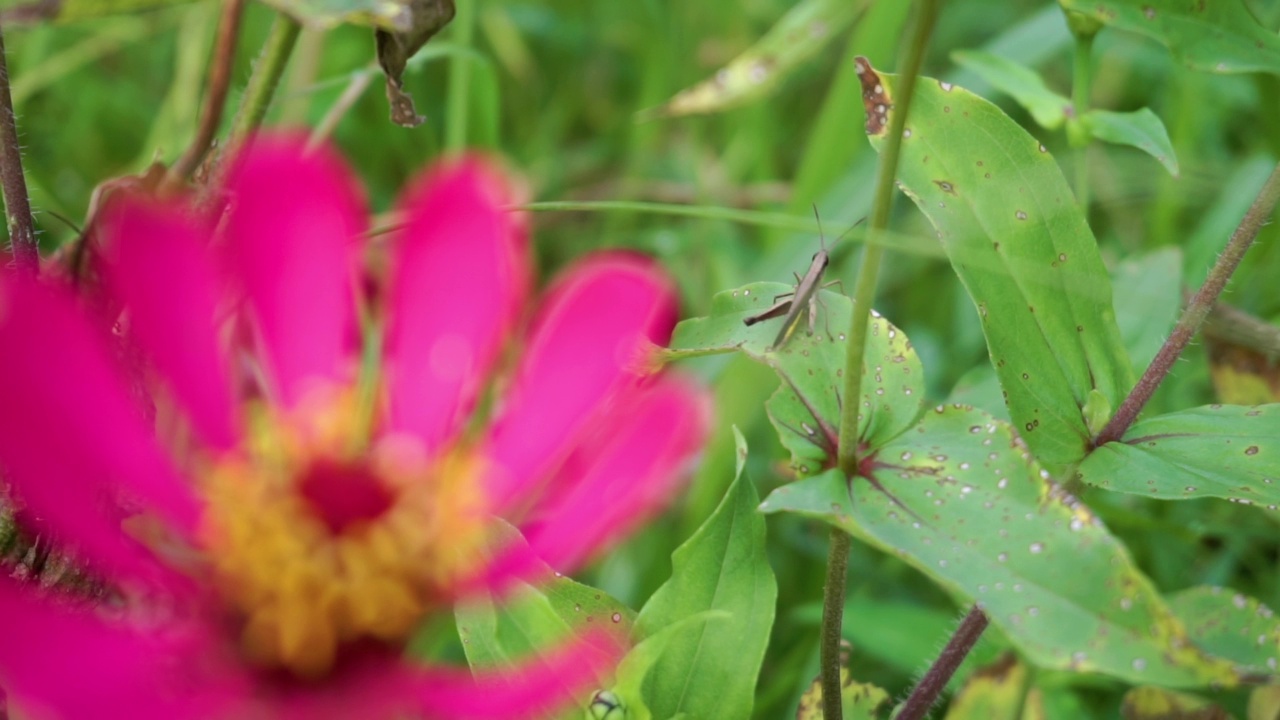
point(710, 670)
point(1231, 625)
point(797, 36)
point(533, 620)
point(1222, 451)
point(994, 692)
point(1048, 108)
point(1019, 243)
point(1219, 36)
point(1141, 129)
point(960, 498)
point(806, 408)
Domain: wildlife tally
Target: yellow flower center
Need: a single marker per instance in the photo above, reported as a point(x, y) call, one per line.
point(316, 539)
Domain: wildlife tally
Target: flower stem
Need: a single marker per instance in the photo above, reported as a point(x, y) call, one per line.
point(864, 295)
point(932, 684)
point(457, 112)
point(1196, 311)
point(224, 55)
point(17, 205)
point(265, 78)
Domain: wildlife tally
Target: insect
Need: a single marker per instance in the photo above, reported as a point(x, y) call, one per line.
point(804, 299)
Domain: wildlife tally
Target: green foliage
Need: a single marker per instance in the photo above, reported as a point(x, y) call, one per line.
point(1140, 129)
point(1048, 108)
point(1222, 451)
point(1232, 626)
point(1220, 36)
point(710, 669)
point(1019, 243)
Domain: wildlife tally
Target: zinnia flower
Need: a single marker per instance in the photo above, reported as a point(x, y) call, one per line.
point(299, 507)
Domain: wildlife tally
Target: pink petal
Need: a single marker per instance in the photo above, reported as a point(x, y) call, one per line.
point(71, 440)
point(161, 273)
point(630, 472)
point(59, 663)
point(293, 234)
point(459, 279)
point(589, 340)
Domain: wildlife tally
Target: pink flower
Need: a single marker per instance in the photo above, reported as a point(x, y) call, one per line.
point(297, 511)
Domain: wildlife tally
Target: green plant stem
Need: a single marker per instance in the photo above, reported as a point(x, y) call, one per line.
point(1196, 311)
point(17, 204)
point(265, 78)
point(1081, 86)
point(926, 692)
point(863, 297)
point(459, 102)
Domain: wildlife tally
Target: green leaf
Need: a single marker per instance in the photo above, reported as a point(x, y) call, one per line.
point(420, 20)
point(643, 658)
point(710, 670)
point(1221, 36)
point(1019, 243)
point(1231, 625)
point(960, 498)
point(1151, 703)
point(798, 36)
point(536, 619)
point(994, 692)
point(1048, 108)
point(859, 701)
point(1142, 129)
point(1222, 451)
point(806, 409)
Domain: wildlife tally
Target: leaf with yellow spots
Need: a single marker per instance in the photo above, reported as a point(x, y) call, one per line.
point(994, 692)
point(1152, 703)
point(806, 408)
point(798, 36)
point(1219, 36)
point(960, 498)
point(860, 701)
point(1019, 243)
point(1222, 451)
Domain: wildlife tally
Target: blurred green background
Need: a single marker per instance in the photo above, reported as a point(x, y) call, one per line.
point(558, 89)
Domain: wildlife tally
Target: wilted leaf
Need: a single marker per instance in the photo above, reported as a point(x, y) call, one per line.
point(806, 409)
point(1151, 703)
point(1019, 243)
point(800, 34)
point(1219, 36)
point(1222, 451)
point(960, 498)
point(1231, 625)
point(859, 701)
point(422, 20)
point(995, 692)
point(1142, 129)
point(710, 670)
point(1020, 82)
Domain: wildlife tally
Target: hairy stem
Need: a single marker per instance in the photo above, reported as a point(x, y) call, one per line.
point(17, 205)
point(1196, 311)
point(224, 55)
point(265, 78)
point(932, 684)
point(863, 296)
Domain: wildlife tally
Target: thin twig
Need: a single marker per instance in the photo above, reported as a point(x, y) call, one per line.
point(224, 55)
point(17, 205)
point(265, 78)
point(1196, 311)
point(359, 83)
point(935, 681)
